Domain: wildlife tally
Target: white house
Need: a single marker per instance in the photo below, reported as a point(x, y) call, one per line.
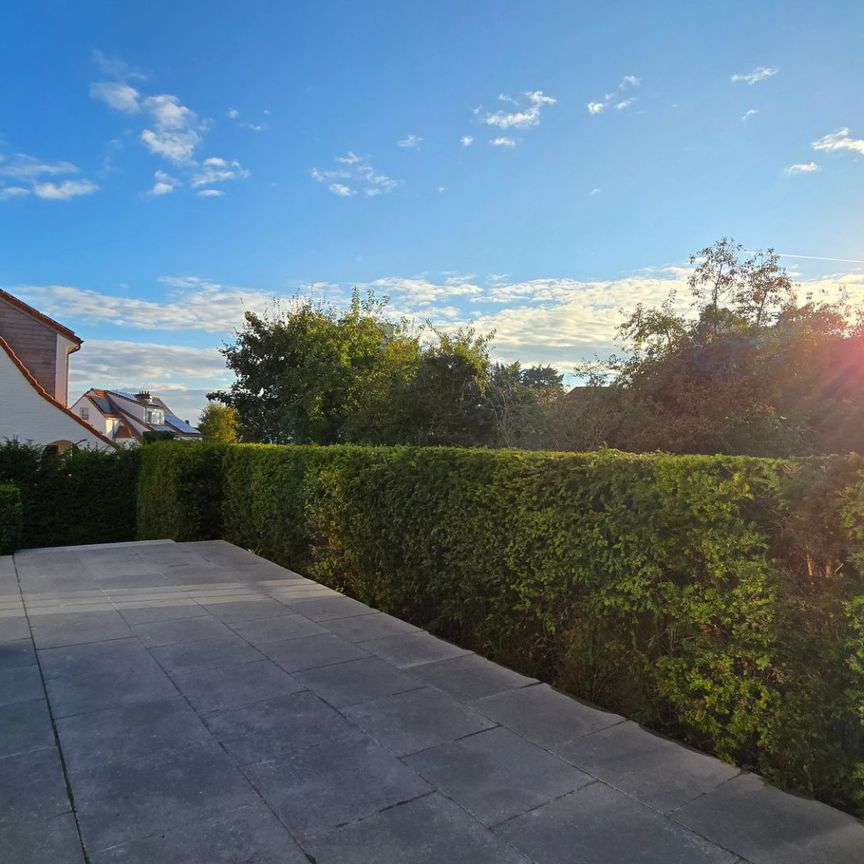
point(124, 418)
point(34, 379)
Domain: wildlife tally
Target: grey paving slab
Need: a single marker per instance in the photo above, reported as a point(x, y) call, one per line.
point(46, 840)
point(496, 774)
point(148, 611)
point(20, 684)
point(267, 729)
point(250, 835)
point(310, 652)
point(218, 687)
point(32, 786)
point(130, 732)
point(357, 681)
point(656, 771)
point(51, 630)
point(276, 629)
point(122, 801)
point(767, 826)
point(328, 607)
point(83, 678)
point(246, 610)
point(412, 721)
point(544, 716)
point(25, 726)
point(359, 628)
point(599, 825)
point(471, 677)
point(429, 830)
point(183, 630)
point(318, 788)
point(16, 652)
point(14, 626)
point(228, 650)
point(413, 649)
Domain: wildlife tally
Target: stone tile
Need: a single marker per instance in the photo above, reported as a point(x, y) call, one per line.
point(360, 628)
point(497, 775)
point(185, 630)
point(32, 786)
point(430, 830)
point(413, 649)
point(767, 826)
point(20, 684)
point(471, 677)
point(77, 628)
point(269, 728)
point(276, 629)
point(321, 787)
point(250, 835)
point(83, 678)
point(205, 573)
point(14, 627)
point(310, 652)
point(412, 721)
point(16, 652)
point(357, 681)
point(46, 840)
point(25, 726)
point(123, 801)
point(221, 687)
point(599, 825)
point(130, 732)
point(224, 651)
point(147, 611)
point(328, 608)
point(246, 610)
point(656, 771)
point(544, 716)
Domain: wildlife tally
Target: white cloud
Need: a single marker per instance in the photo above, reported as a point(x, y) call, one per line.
point(7, 192)
point(209, 193)
point(751, 112)
point(802, 168)
point(523, 117)
point(163, 184)
point(357, 175)
point(26, 167)
point(232, 114)
point(760, 73)
point(64, 190)
point(840, 140)
point(218, 170)
point(176, 131)
point(117, 95)
point(595, 191)
point(503, 141)
point(466, 140)
point(614, 99)
point(410, 142)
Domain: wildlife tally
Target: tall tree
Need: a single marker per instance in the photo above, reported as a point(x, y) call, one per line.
point(219, 423)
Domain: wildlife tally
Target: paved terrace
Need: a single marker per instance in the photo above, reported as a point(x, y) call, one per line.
point(193, 704)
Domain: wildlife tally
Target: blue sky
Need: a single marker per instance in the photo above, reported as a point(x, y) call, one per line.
point(532, 167)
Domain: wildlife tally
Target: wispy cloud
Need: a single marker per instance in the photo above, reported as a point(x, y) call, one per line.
point(503, 141)
point(232, 113)
point(64, 190)
point(30, 173)
point(209, 193)
point(117, 95)
point(466, 140)
point(801, 168)
point(410, 142)
point(525, 114)
point(218, 170)
point(163, 184)
point(9, 192)
point(760, 73)
point(750, 112)
point(616, 98)
point(175, 131)
point(840, 140)
point(356, 175)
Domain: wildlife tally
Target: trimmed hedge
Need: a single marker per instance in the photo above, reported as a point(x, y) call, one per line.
point(79, 496)
point(10, 518)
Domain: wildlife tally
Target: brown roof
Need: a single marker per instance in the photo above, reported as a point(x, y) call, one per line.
point(20, 304)
point(4, 345)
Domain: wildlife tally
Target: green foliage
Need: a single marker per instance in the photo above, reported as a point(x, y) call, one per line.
point(180, 491)
point(219, 423)
point(79, 496)
point(11, 518)
point(151, 436)
point(718, 599)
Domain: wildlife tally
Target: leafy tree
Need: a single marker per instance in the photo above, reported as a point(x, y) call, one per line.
point(219, 423)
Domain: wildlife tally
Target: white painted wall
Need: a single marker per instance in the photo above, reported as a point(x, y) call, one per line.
point(28, 416)
point(61, 373)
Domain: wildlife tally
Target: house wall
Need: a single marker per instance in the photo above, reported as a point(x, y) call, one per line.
point(94, 416)
point(28, 416)
point(61, 368)
point(34, 343)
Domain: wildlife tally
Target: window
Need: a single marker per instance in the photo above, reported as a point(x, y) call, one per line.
point(85, 413)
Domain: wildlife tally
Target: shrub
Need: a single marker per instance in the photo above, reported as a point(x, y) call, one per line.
point(10, 518)
point(79, 496)
point(180, 491)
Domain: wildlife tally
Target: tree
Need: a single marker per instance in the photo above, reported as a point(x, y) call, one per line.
point(219, 423)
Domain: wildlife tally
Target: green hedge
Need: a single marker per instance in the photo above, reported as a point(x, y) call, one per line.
point(10, 518)
point(717, 599)
point(79, 496)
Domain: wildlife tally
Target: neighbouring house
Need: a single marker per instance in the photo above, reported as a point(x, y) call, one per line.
point(34, 380)
point(124, 417)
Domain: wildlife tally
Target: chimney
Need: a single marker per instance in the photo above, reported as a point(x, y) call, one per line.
point(143, 397)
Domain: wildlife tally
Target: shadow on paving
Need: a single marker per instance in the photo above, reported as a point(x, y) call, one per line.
point(191, 703)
